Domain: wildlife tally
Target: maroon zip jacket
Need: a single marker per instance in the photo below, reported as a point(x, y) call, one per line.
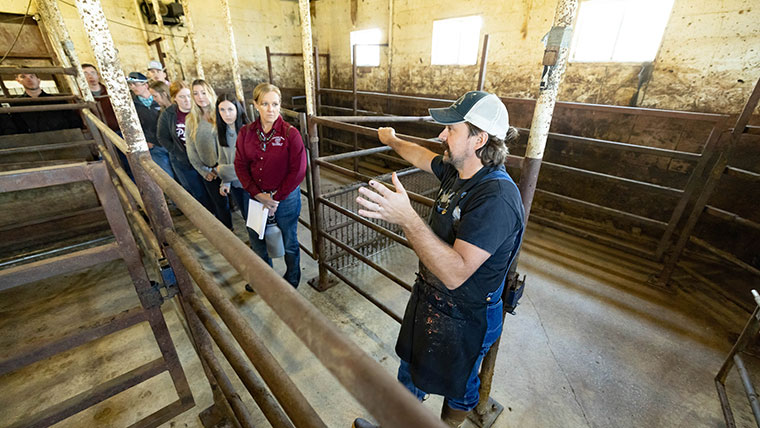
point(280, 167)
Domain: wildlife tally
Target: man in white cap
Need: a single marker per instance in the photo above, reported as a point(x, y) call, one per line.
point(465, 248)
point(156, 72)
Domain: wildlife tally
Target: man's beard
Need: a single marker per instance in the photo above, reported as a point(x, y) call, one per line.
point(447, 158)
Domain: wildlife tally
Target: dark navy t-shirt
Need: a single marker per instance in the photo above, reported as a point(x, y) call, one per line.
point(490, 216)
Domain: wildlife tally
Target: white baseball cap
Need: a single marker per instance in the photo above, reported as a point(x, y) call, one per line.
point(155, 65)
point(484, 110)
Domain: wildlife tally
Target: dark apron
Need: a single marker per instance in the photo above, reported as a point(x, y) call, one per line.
point(443, 330)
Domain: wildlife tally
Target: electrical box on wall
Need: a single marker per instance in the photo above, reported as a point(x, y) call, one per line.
point(170, 12)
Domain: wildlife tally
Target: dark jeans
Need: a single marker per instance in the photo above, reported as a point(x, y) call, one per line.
point(192, 182)
point(471, 395)
point(161, 157)
point(241, 197)
point(286, 218)
point(220, 204)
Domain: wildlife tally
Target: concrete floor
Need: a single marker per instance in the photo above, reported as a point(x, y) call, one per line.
point(590, 344)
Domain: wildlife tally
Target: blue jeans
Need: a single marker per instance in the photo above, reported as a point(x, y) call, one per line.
point(286, 218)
point(161, 157)
point(471, 395)
point(192, 182)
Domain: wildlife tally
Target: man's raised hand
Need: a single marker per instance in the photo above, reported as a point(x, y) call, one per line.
point(387, 135)
point(385, 204)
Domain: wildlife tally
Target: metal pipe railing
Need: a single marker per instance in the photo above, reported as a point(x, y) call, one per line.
point(45, 107)
point(368, 382)
point(255, 386)
point(294, 403)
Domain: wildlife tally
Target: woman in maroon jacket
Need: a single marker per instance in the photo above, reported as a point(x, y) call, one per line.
point(270, 162)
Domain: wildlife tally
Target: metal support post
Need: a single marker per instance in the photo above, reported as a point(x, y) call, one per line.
point(355, 103)
point(233, 52)
point(269, 66)
point(555, 62)
point(324, 280)
point(308, 61)
point(483, 61)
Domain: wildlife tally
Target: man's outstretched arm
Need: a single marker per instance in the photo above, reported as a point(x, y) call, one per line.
point(412, 153)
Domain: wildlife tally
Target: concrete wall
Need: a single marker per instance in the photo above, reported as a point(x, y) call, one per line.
point(256, 24)
point(709, 59)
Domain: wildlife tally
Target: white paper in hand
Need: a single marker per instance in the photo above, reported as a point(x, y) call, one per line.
point(257, 217)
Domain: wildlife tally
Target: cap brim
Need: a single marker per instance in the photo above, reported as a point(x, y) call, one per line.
point(446, 115)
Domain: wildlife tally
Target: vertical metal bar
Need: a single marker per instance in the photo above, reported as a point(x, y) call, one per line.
point(233, 52)
point(544, 110)
point(321, 282)
point(306, 50)
point(269, 66)
point(317, 82)
point(309, 184)
point(318, 92)
point(483, 61)
point(355, 104)
point(96, 27)
point(329, 75)
point(390, 49)
point(193, 43)
point(539, 131)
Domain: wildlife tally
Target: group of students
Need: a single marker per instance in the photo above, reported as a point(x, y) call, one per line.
point(210, 146)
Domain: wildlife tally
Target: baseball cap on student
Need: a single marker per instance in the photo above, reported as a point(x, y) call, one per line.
point(136, 77)
point(484, 110)
point(155, 65)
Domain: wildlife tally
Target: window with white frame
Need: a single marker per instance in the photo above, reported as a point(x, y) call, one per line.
point(455, 41)
point(619, 30)
point(368, 49)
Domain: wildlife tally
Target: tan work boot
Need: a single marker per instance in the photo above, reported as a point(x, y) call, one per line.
point(453, 417)
point(363, 423)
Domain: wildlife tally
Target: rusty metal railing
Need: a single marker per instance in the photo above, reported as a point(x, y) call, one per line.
point(387, 400)
point(748, 335)
point(681, 197)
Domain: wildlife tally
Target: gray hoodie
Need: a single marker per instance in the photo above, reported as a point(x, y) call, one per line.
point(226, 162)
point(202, 150)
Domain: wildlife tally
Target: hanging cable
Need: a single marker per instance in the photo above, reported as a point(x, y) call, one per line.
point(23, 21)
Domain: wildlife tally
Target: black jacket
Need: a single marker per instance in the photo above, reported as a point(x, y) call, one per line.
point(148, 119)
point(168, 139)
